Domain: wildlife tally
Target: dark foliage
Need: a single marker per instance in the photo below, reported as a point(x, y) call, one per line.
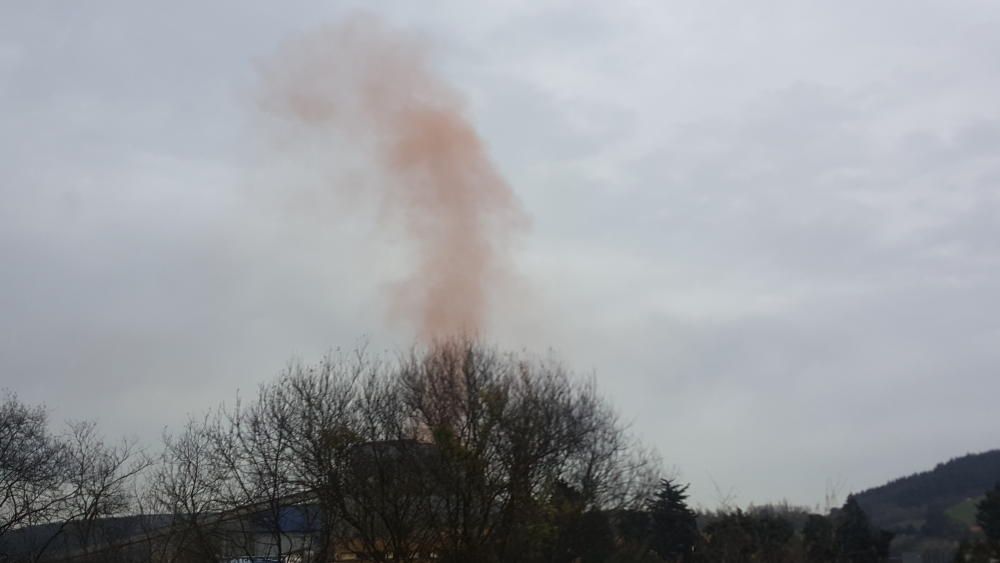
point(674, 531)
point(986, 548)
point(730, 538)
point(818, 540)
point(988, 514)
point(856, 540)
point(907, 498)
point(917, 508)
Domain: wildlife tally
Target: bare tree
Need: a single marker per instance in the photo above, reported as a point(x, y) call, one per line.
point(255, 450)
point(71, 483)
point(32, 466)
point(509, 432)
point(188, 484)
point(97, 483)
point(458, 451)
point(385, 478)
point(100, 476)
point(322, 423)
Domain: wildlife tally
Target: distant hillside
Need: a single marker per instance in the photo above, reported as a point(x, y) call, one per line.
point(933, 509)
point(947, 484)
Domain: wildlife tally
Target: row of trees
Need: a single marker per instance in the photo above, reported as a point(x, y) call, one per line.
point(463, 451)
point(459, 451)
point(773, 533)
point(72, 480)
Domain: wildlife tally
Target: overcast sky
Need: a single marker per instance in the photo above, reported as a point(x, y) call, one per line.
point(770, 229)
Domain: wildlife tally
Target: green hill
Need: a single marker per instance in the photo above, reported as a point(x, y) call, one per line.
point(965, 511)
point(931, 510)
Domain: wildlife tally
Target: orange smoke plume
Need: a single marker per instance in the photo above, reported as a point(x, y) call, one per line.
point(363, 83)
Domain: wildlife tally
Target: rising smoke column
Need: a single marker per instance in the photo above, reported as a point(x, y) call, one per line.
point(372, 87)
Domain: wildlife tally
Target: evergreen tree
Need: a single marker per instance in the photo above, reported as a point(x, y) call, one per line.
point(674, 525)
point(988, 518)
point(857, 541)
point(988, 514)
point(854, 534)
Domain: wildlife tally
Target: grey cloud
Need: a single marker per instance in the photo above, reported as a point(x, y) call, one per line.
point(770, 231)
